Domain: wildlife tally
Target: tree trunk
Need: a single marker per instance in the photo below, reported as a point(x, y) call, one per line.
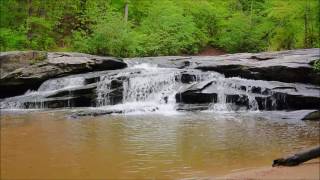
point(307, 35)
point(30, 12)
point(126, 12)
point(30, 9)
point(251, 8)
point(298, 158)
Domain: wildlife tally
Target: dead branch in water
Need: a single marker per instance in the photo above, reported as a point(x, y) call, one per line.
point(298, 158)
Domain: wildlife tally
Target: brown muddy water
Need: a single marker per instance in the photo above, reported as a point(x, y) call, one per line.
point(51, 145)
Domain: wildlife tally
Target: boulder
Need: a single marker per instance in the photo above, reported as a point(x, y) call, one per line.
point(12, 60)
point(56, 65)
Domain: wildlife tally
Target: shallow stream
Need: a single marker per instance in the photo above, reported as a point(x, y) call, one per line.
point(43, 144)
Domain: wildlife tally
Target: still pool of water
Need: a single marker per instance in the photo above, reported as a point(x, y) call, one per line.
point(50, 144)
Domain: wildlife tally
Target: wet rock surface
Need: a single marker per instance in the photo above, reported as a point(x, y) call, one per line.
point(273, 82)
point(70, 91)
point(93, 112)
point(56, 65)
point(263, 95)
point(284, 66)
point(194, 94)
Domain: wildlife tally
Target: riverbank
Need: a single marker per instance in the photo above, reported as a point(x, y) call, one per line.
point(309, 170)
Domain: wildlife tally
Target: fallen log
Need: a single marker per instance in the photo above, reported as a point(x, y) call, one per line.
point(298, 158)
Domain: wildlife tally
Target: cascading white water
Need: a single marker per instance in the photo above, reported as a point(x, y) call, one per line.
point(103, 90)
point(228, 86)
point(221, 88)
point(144, 88)
point(151, 89)
point(36, 99)
point(61, 83)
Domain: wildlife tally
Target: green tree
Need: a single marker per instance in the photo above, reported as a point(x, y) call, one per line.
point(166, 27)
point(167, 31)
point(111, 36)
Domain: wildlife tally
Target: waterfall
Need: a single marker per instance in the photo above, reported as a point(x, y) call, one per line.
point(36, 99)
point(61, 83)
point(221, 88)
point(103, 90)
point(145, 88)
point(151, 89)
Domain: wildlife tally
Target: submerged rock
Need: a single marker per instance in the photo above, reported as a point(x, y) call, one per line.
point(56, 65)
point(192, 107)
point(94, 112)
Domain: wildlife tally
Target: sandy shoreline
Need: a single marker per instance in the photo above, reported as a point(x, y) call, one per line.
point(307, 171)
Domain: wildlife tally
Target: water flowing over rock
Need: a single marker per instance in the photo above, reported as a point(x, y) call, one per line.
point(56, 65)
point(237, 93)
point(169, 84)
point(285, 66)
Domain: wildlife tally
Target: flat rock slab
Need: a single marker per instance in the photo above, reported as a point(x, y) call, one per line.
point(56, 65)
point(284, 66)
point(71, 60)
point(12, 60)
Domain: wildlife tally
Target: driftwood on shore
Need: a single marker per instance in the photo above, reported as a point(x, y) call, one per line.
point(298, 158)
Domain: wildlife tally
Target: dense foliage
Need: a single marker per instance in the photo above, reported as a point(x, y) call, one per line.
point(166, 27)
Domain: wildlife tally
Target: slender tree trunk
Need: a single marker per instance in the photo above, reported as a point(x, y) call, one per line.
point(307, 37)
point(30, 9)
point(251, 8)
point(305, 28)
point(126, 9)
point(30, 12)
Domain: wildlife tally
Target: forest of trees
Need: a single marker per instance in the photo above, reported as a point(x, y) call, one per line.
point(127, 28)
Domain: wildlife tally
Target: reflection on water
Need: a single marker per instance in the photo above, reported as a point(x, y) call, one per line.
point(50, 145)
